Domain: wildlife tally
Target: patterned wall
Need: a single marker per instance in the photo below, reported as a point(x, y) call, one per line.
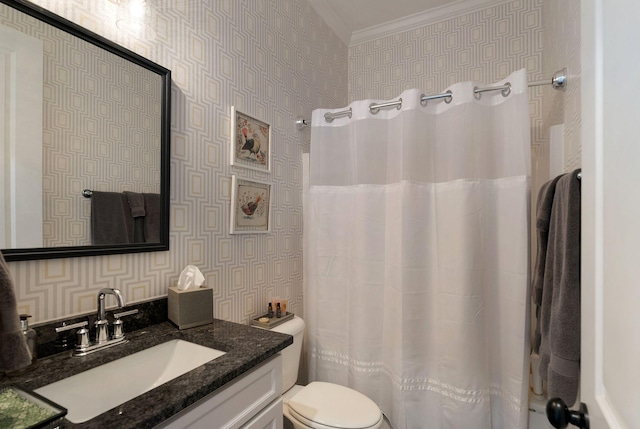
point(481, 47)
point(542, 36)
point(275, 59)
point(101, 128)
point(561, 22)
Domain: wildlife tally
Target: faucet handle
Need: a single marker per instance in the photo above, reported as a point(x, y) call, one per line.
point(118, 330)
point(66, 327)
point(82, 335)
point(125, 313)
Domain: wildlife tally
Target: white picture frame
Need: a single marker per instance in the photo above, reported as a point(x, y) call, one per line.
point(250, 206)
point(250, 142)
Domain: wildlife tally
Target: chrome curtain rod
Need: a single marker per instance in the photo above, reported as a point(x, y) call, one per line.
point(329, 117)
point(558, 81)
point(87, 193)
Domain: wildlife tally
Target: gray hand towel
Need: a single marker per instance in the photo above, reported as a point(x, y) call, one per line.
point(136, 204)
point(543, 218)
point(14, 353)
point(152, 218)
point(560, 311)
point(111, 220)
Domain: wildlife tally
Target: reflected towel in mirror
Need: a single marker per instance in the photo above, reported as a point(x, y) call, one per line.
point(136, 204)
point(111, 220)
point(152, 218)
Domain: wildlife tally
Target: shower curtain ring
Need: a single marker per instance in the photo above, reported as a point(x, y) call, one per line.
point(507, 90)
point(447, 96)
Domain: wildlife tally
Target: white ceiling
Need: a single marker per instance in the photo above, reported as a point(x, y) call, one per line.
point(355, 21)
point(361, 14)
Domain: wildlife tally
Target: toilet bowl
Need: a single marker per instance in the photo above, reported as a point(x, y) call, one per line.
point(320, 405)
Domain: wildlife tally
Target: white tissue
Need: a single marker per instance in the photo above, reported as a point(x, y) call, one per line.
point(190, 278)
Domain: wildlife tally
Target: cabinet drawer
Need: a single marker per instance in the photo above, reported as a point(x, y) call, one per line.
point(235, 404)
point(270, 418)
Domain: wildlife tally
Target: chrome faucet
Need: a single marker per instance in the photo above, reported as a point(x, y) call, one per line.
point(83, 345)
point(102, 325)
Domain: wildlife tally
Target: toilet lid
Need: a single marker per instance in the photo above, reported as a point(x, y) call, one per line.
point(335, 406)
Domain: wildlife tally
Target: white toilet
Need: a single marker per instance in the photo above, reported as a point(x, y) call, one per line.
point(320, 405)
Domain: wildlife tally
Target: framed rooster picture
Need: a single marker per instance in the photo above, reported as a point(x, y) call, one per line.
point(250, 142)
point(250, 206)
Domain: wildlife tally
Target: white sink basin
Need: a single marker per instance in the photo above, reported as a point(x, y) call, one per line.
point(91, 393)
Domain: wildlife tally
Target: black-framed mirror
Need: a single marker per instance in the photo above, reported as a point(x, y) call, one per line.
point(105, 127)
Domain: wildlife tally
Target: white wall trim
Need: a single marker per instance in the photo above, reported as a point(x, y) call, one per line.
point(420, 19)
point(332, 19)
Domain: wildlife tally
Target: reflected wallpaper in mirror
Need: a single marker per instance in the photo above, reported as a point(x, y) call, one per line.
point(102, 130)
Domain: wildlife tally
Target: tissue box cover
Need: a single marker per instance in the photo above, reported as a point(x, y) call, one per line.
point(190, 308)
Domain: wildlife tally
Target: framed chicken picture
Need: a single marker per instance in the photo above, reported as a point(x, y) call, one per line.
point(250, 206)
point(250, 142)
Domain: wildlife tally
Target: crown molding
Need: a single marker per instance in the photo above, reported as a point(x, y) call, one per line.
point(332, 19)
point(417, 20)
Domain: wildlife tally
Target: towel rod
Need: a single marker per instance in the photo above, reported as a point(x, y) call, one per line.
point(87, 193)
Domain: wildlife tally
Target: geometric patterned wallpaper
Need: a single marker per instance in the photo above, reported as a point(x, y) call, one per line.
point(562, 49)
point(274, 59)
point(102, 132)
point(483, 47)
point(561, 40)
point(101, 128)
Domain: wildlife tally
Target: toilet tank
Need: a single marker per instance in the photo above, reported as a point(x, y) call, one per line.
point(291, 354)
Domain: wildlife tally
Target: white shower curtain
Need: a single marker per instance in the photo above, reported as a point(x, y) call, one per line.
point(416, 257)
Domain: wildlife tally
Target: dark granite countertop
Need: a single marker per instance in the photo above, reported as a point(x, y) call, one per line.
point(245, 348)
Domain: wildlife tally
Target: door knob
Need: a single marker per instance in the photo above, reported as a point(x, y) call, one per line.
point(560, 415)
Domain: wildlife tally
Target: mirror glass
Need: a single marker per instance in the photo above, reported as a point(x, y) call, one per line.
point(85, 141)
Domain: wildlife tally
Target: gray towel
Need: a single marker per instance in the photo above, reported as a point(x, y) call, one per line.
point(560, 312)
point(152, 218)
point(136, 204)
point(14, 352)
point(111, 220)
point(543, 218)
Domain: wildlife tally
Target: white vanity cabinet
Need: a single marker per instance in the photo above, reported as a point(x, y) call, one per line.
point(252, 401)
